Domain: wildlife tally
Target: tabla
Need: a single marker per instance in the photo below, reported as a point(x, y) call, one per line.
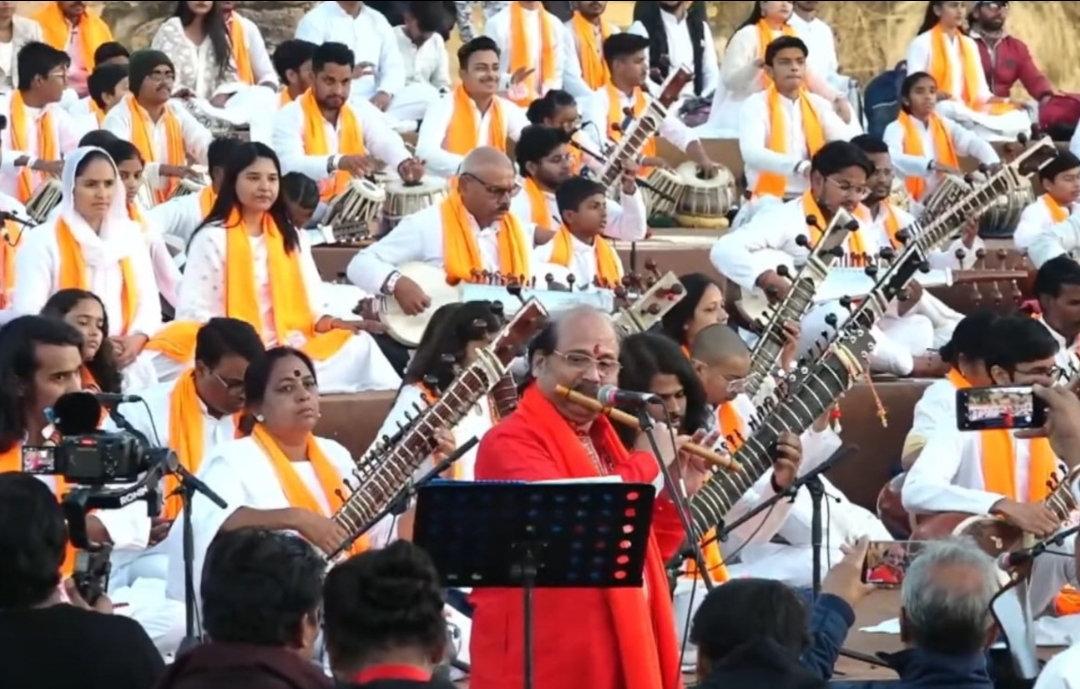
point(44, 199)
point(1003, 217)
point(351, 212)
point(944, 196)
point(899, 197)
point(405, 199)
point(666, 182)
point(705, 202)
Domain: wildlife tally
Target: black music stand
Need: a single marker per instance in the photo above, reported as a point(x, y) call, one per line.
point(528, 535)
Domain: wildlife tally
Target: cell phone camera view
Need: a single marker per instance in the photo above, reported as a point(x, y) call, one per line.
point(999, 408)
point(887, 562)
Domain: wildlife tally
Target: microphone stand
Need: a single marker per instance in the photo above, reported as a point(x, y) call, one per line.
point(682, 504)
point(643, 184)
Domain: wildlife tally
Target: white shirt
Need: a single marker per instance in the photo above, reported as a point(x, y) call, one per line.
point(379, 139)
point(155, 424)
point(38, 267)
point(918, 58)
point(820, 42)
point(428, 63)
point(1062, 672)
point(1066, 357)
point(196, 137)
point(261, 63)
point(436, 125)
point(681, 51)
point(573, 79)
point(65, 131)
point(582, 264)
point(964, 141)
point(498, 29)
point(368, 35)
point(596, 112)
point(179, 216)
point(1041, 237)
point(755, 130)
point(628, 221)
point(419, 238)
point(936, 408)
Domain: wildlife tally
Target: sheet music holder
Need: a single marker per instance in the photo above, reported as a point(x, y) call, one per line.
point(528, 535)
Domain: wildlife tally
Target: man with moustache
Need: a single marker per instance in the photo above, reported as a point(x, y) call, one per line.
point(585, 68)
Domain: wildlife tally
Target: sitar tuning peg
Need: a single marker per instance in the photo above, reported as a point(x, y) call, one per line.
point(924, 266)
point(832, 320)
point(852, 225)
point(813, 221)
point(871, 271)
point(783, 270)
point(903, 236)
point(803, 241)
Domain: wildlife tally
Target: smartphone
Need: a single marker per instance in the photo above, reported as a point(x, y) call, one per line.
point(999, 407)
point(887, 562)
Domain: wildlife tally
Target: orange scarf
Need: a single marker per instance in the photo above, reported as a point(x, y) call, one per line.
point(944, 151)
point(8, 249)
point(765, 37)
point(774, 184)
point(240, 53)
point(141, 138)
point(207, 197)
point(999, 459)
point(594, 70)
point(521, 51)
point(48, 147)
point(73, 273)
point(295, 490)
point(284, 98)
point(186, 436)
point(350, 141)
point(616, 117)
point(93, 31)
point(11, 461)
point(607, 261)
point(461, 254)
point(644, 626)
point(1057, 212)
point(892, 224)
point(855, 244)
point(941, 68)
point(538, 205)
point(463, 134)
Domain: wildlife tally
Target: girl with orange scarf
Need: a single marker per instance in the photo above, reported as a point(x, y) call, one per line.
point(1046, 228)
point(943, 50)
point(281, 475)
point(925, 145)
point(248, 261)
point(91, 244)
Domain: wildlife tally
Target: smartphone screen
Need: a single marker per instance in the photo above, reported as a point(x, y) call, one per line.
point(38, 460)
point(1000, 407)
point(887, 562)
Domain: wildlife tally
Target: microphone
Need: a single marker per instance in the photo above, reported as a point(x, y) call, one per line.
point(611, 396)
point(77, 413)
point(115, 398)
point(1009, 561)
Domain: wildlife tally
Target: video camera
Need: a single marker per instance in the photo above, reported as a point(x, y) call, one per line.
point(90, 459)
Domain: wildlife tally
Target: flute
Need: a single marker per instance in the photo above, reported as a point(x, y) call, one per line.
point(714, 458)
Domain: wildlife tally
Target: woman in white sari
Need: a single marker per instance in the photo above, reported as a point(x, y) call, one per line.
point(91, 244)
point(249, 262)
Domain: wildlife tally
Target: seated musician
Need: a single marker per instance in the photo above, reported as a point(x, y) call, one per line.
point(702, 306)
point(1057, 289)
point(248, 261)
point(292, 61)
point(993, 472)
point(279, 476)
point(544, 162)
point(579, 247)
point(609, 109)
point(925, 146)
point(584, 69)
point(93, 245)
point(679, 36)
point(749, 256)
point(86, 313)
point(332, 140)
point(821, 41)
point(108, 86)
point(472, 115)
point(942, 50)
point(301, 198)
point(29, 160)
point(560, 110)
point(181, 215)
point(253, 63)
point(427, 62)
point(1048, 227)
point(471, 232)
point(533, 52)
point(782, 127)
point(165, 132)
point(617, 633)
point(71, 27)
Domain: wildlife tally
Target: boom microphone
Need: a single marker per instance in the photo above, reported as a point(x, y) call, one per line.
point(611, 396)
point(77, 413)
point(116, 398)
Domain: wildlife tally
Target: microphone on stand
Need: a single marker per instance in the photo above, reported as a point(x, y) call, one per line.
point(611, 396)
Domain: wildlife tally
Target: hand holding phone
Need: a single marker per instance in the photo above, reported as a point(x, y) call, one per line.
point(1005, 407)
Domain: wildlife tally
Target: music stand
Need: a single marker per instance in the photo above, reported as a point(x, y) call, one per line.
point(525, 535)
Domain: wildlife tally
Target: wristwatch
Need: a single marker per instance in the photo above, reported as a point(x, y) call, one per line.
point(391, 282)
point(331, 164)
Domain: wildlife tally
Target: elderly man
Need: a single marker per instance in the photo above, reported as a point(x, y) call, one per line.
point(470, 232)
point(619, 637)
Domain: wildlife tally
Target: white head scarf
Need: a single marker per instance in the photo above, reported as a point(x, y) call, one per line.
point(118, 231)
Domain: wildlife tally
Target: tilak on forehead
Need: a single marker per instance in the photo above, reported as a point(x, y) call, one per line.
point(297, 373)
point(596, 349)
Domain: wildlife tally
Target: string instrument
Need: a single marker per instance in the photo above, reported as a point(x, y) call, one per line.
point(383, 476)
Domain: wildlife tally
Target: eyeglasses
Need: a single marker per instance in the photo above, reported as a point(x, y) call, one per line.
point(856, 191)
point(580, 363)
point(229, 385)
point(497, 192)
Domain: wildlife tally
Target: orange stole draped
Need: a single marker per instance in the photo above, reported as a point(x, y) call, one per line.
point(9, 247)
point(295, 490)
point(765, 37)
point(538, 206)
point(594, 70)
point(11, 461)
point(72, 273)
point(944, 151)
point(238, 39)
point(48, 148)
point(350, 141)
point(855, 244)
point(142, 139)
point(1058, 213)
point(463, 134)
point(732, 425)
point(941, 69)
point(771, 183)
point(607, 261)
point(521, 50)
point(55, 29)
point(461, 254)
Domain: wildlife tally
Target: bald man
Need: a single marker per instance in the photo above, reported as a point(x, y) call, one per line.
point(470, 232)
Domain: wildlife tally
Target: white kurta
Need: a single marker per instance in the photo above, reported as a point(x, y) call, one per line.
point(582, 264)
point(627, 222)
point(196, 137)
point(573, 79)
point(1042, 238)
point(820, 42)
point(964, 142)
point(178, 217)
point(1004, 127)
point(681, 52)
point(436, 124)
point(427, 74)
point(242, 475)
point(419, 238)
point(755, 130)
point(498, 29)
point(1066, 358)
point(596, 113)
point(65, 131)
point(359, 365)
